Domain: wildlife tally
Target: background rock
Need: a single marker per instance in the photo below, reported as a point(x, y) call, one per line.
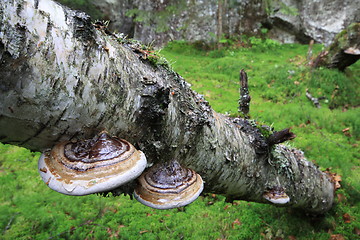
point(320, 20)
point(115, 11)
point(160, 21)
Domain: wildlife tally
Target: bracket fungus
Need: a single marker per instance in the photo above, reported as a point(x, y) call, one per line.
point(276, 195)
point(168, 185)
point(91, 166)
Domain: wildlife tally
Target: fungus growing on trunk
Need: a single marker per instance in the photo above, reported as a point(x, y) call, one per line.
point(276, 195)
point(168, 185)
point(91, 166)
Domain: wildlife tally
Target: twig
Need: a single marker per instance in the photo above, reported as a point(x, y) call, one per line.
point(313, 99)
point(9, 223)
point(244, 101)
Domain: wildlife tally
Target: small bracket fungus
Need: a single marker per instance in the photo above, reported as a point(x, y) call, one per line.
point(276, 195)
point(91, 166)
point(168, 185)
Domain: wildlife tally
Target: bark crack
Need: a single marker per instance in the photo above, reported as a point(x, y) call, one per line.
point(37, 133)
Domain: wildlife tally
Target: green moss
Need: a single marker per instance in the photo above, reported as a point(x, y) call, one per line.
point(146, 52)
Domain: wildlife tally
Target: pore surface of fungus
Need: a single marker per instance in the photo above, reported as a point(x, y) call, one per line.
point(168, 185)
point(91, 166)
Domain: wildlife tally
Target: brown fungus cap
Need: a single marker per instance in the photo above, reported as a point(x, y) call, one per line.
point(91, 166)
point(168, 185)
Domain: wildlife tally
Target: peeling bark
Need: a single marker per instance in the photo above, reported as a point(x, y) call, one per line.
point(61, 78)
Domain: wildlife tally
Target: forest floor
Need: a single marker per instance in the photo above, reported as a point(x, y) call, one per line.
point(278, 79)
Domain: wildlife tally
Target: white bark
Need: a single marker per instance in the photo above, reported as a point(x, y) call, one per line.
point(60, 78)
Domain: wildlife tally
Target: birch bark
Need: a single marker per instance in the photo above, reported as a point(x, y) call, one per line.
point(61, 78)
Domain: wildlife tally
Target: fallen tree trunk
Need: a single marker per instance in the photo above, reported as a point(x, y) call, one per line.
point(63, 78)
point(343, 52)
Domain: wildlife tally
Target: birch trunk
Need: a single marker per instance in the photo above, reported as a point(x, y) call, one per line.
point(61, 78)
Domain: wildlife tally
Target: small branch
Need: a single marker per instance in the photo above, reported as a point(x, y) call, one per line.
point(244, 101)
point(313, 99)
point(10, 222)
point(280, 136)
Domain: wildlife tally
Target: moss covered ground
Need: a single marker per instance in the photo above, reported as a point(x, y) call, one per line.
point(278, 79)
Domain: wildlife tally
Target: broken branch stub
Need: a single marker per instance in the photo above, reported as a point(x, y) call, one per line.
point(280, 136)
point(245, 98)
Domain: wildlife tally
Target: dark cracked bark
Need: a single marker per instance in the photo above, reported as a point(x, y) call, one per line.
point(63, 78)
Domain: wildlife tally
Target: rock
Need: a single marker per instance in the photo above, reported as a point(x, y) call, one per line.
point(323, 19)
point(284, 26)
point(320, 20)
point(115, 12)
point(160, 21)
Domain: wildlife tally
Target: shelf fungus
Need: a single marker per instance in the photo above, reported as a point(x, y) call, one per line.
point(91, 166)
point(168, 185)
point(276, 195)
